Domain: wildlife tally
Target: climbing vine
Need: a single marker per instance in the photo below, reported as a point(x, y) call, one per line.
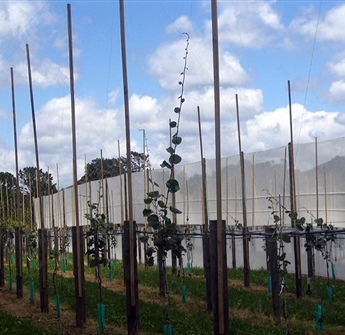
point(166, 237)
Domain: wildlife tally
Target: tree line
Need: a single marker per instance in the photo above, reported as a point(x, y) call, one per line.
point(29, 179)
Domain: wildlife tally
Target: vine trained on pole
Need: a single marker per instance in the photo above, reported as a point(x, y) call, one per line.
point(158, 219)
point(166, 237)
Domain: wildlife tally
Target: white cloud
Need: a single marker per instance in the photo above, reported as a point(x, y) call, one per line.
point(16, 16)
point(337, 92)
point(329, 27)
point(251, 24)
point(182, 24)
point(167, 64)
point(45, 73)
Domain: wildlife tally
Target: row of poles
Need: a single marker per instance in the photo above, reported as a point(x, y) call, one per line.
point(220, 288)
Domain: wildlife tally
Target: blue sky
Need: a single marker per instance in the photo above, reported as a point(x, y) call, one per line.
point(263, 44)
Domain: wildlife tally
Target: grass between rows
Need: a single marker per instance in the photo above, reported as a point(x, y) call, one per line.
point(250, 310)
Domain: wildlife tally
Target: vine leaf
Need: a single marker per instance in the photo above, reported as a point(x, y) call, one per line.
point(165, 164)
point(175, 210)
point(172, 185)
point(175, 159)
point(176, 140)
point(286, 238)
point(153, 221)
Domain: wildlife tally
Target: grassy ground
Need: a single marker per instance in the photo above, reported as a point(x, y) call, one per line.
point(250, 310)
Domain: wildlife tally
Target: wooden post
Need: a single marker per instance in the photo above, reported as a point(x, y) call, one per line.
point(132, 310)
point(132, 283)
point(79, 245)
point(42, 254)
point(2, 269)
point(80, 300)
point(220, 304)
point(272, 266)
point(43, 260)
point(18, 235)
point(246, 266)
point(297, 244)
point(205, 228)
point(221, 310)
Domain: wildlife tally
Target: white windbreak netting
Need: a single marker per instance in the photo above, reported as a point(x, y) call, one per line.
point(266, 174)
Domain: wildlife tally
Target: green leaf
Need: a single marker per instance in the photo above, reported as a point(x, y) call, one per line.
point(286, 238)
point(175, 159)
point(172, 124)
point(161, 204)
point(170, 150)
point(153, 194)
point(176, 140)
point(153, 221)
point(144, 239)
point(319, 222)
point(175, 210)
point(172, 185)
point(299, 227)
point(177, 110)
point(276, 218)
point(165, 164)
point(147, 211)
point(148, 200)
point(150, 251)
point(150, 261)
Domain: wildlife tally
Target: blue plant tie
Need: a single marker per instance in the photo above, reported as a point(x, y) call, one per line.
point(64, 266)
point(32, 291)
point(110, 274)
point(329, 293)
point(189, 269)
point(57, 305)
point(184, 293)
point(34, 263)
point(12, 259)
point(269, 283)
point(112, 264)
point(319, 317)
point(167, 329)
point(333, 270)
point(9, 283)
point(101, 317)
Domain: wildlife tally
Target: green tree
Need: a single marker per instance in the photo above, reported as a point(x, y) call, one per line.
point(28, 179)
point(7, 196)
point(111, 167)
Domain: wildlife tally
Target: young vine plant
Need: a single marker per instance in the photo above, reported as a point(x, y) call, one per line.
point(158, 218)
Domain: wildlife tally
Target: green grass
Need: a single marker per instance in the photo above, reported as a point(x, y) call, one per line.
point(250, 310)
point(11, 325)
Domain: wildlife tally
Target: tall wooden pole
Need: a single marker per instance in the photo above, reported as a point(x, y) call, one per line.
point(221, 313)
point(246, 266)
point(18, 237)
point(132, 281)
point(206, 233)
point(253, 194)
point(316, 179)
point(43, 259)
point(121, 186)
point(77, 253)
point(325, 192)
point(297, 245)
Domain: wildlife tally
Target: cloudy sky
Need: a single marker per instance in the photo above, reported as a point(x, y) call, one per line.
point(263, 45)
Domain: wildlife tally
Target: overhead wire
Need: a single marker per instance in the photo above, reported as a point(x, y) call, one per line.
point(309, 74)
